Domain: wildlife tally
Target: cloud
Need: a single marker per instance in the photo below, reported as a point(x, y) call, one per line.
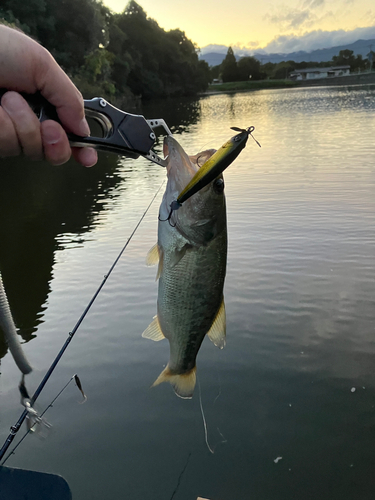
point(213, 47)
point(309, 41)
point(313, 4)
point(318, 39)
point(308, 14)
point(290, 18)
point(253, 44)
point(369, 16)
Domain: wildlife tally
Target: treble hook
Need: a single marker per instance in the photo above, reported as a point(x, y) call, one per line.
point(175, 205)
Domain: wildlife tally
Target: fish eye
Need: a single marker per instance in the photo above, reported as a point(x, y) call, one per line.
point(218, 186)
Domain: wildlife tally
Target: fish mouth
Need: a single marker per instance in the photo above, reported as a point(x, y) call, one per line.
point(180, 168)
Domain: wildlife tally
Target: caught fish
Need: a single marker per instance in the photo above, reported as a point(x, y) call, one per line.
point(192, 254)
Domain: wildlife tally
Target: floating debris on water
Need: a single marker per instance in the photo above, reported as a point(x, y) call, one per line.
point(352, 389)
point(278, 459)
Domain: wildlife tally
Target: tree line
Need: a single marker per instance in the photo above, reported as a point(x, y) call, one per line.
point(231, 70)
point(118, 56)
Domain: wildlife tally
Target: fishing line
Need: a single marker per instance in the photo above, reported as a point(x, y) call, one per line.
point(218, 379)
point(212, 450)
point(40, 417)
point(219, 393)
point(203, 417)
point(180, 476)
point(15, 428)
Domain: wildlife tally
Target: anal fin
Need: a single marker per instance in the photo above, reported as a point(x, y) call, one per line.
point(153, 331)
point(217, 331)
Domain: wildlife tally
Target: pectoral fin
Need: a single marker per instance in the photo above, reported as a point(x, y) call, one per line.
point(153, 331)
point(154, 256)
point(178, 255)
point(183, 384)
point(217, 331)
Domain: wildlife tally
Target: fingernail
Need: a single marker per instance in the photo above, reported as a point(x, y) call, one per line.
point(84, 128)
point(12, 102)
point(51, 135)
point(91, 157)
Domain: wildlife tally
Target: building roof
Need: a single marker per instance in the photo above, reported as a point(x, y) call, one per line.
point(320, 70)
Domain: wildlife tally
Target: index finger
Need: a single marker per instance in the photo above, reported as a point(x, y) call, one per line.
point(59, 90)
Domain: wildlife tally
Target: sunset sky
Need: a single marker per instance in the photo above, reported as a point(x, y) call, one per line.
point(278, 25)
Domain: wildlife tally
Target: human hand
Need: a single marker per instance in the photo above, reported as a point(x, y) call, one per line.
point(27, 67)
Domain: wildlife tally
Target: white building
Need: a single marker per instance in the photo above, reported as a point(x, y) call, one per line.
point(313, 73)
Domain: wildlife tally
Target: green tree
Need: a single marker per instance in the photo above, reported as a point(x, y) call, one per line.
point(115, 55)
point(268, 69)
point(345, 57)
point(70, 29)
point(157, 63)
point(229, 70)
point(283, 69)
point(215, 71)
point(79, 28)
point(26, 15)
point(248, 67)
point(118, 45)
point(359, 64)
point(370, 59)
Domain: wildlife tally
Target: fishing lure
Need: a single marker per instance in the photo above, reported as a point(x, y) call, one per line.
point(213, 167)
point(216, 164)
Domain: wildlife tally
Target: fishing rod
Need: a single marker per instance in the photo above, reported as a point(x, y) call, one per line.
point(38, 419)
point(16, 427)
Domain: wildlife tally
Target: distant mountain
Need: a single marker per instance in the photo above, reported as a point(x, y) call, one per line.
point(361, 47)
point(214, 58)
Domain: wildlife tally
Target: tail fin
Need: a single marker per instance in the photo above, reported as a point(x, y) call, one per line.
point(183, 384)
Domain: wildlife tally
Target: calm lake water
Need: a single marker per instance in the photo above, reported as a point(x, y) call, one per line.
point(300, 302)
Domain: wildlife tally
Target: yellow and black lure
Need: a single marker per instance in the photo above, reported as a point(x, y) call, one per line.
point(215, 165)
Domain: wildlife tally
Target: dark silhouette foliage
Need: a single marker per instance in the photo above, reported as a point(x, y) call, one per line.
point(250, 68)
point(229, 70)
point(118, 56)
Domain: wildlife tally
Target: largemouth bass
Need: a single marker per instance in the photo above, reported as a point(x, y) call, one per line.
point(192, 253)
